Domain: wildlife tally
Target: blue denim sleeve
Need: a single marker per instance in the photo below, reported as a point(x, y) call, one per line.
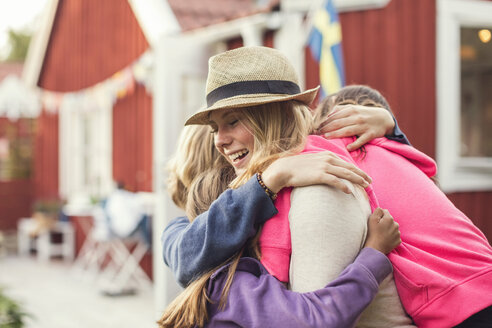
point(398, 134)
point(257, 299)
point(191, 249)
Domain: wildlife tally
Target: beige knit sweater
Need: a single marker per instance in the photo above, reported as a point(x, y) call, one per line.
point(328, 229)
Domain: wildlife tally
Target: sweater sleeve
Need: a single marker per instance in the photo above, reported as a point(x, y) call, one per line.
point(328, 230)
point(398, 134)
point(191, 249)
point(261, 301)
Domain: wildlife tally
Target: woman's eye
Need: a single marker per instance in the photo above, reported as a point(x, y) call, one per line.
point(213, 130)
point(233, 122)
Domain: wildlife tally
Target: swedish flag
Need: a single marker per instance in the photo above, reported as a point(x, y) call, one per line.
point(325, 42)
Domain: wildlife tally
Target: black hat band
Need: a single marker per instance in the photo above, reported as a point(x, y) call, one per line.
point(252, 87)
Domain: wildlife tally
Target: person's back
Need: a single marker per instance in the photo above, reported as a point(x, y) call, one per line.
point(328, 229)
point(444, 261)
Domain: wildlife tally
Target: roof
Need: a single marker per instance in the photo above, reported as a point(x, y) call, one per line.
point(157, 18)
point(10, 68)
point(193, 14)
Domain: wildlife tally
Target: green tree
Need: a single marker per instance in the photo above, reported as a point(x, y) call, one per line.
point(19, 43)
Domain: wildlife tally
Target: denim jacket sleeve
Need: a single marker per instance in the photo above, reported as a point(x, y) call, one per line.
point(398, 134)
point(191, 249)
point(257, 299)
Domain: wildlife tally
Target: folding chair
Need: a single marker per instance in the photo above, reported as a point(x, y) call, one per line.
point(127, 239)
point(123, 269)
point(91, 257)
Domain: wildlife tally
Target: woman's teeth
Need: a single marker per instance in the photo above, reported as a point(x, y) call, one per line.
point(240, 154)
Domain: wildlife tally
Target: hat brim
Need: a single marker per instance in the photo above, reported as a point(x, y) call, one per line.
point(202, 116)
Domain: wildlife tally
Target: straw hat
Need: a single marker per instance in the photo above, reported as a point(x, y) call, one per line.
point(250, 76)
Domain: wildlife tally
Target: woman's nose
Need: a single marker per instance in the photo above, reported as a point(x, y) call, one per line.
point(222, 138)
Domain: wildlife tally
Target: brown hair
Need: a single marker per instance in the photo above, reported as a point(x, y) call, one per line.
point(350, 95)
point(357, 95)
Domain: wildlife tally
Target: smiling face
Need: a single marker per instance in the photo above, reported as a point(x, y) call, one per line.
point(232, 138)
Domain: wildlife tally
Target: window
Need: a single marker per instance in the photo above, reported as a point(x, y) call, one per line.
point(476, 92)
point(464, 95)
point(85, 151)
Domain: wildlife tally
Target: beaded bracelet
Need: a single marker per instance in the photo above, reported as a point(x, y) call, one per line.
point(268, 191)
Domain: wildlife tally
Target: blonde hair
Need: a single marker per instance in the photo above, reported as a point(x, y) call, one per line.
point(207, 187)
point(198, 174)
point(279, 129)
point(195, 154)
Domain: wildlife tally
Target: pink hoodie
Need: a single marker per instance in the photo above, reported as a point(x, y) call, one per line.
point(443, 268)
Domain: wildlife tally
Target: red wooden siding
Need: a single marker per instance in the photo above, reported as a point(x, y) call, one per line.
point(17, 192)
point(393, 50)
point(132, 141)
point(91, 40)
point(476, 205)
point(15, 202)
point(45, 164)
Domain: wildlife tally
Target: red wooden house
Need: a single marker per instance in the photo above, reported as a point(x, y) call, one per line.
point(410, 50)
point(15, 140)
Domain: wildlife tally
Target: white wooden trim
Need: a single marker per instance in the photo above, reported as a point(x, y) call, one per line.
point(39, 43)
point(340, 5)
point(156, 19)
point(456, 173)
point(175, 56)
point(227, 30)
point(252, 35)
point(290, 39)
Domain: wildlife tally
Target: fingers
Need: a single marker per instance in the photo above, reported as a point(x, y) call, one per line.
point(377, 214)
point(341, 111)
point(347, 131)
point(333, 125)
point(347, 174)
point(316, 168)
point(387, 221)
point(335, 182)
point(384, 232)
point(350, 172)
point(360, 141)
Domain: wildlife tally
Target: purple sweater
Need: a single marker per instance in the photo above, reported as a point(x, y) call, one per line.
point(257, 299)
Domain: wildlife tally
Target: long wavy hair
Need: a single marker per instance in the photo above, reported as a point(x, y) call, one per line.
point(279, 130)
point(194, 155)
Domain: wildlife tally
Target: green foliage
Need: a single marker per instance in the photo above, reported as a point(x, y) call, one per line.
point(19, 43)
point(49, 207)
point(11, 314)
point(17, 164)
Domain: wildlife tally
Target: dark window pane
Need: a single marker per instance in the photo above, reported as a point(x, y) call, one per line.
point(476, 92)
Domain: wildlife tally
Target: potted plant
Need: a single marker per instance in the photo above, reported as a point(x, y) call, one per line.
point(11, 313)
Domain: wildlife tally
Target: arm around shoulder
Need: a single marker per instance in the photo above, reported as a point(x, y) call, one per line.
point(190, 249)
point(257, 299)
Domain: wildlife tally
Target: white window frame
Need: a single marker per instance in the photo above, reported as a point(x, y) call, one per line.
point(340, 5)
point(85, 169)
point(456, 173)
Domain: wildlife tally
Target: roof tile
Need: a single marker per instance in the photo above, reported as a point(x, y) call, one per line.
point(193, 14)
